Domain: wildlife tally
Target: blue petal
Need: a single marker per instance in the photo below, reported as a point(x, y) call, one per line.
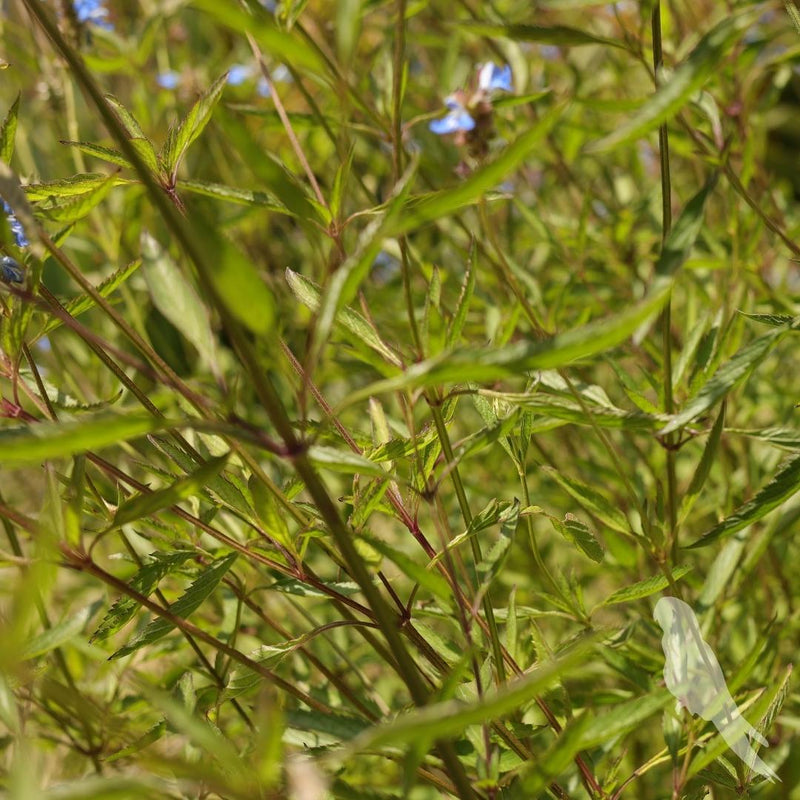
point(454, 121)
point(92, 11)
point(492, 78)
point(168, 80)
point(11, 271)
point(238, 74)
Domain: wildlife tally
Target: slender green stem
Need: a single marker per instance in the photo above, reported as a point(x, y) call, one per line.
point(463, 504)
point(666, 314)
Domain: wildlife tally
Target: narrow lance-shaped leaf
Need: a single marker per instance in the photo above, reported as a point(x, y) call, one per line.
point(308, 294)
point(559, 35)
point(144, 505)
point(432, 581)
point(421, 210)
point(283, 44)
point(78, 305)
point(144, 581)
point(644, 588)
point(234, 278)
point(77, 208)
point(682, 85)
point(465, 365)
point(175, 297)
point(462, 307)
point(189, 602)
point(449, 718)
point(343, 286)
point(233, 194)
point(35, 443)
point(74, 186)
point(784, 485)
point(623, 718)
point(727, 377)
point(182, 136)
point(592, 500)
point(684, 233)
point(704, 467)
point(103, 153)
point(8, 132)
point(57, 635)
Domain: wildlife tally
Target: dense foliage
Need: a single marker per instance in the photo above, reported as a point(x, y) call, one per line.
point(369, 369)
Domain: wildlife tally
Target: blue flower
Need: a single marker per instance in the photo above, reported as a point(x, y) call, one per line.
point(493, 78)
point(94, 12)
point(457, 119)
point(168, 79)
point(11, 271)
point(280, 74)
point(20, 238)
point(238, 74)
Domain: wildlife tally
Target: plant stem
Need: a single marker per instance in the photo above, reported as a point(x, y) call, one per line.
point(666, 314)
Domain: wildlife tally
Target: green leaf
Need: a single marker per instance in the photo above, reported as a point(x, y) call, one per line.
point(144, 582)
point(129, 122)
point(344, 461)
point(726, 378)
point(103, 153)
point(189, 602)
point(788, 438)
point(560, 35)
point(262, 200)
point(623, 718)
point(144, 505)
point(308, 294)
point(344, 284)
point(568, 409)
point(74, 186)
point(513, 100)
point(579, 535)
point(270, 173)
point(773, 320)
point(283, 45)
point(176, 299)
point(268, 513)
point(592, 500)
point(449, 718)
point(704, 467)
point(428, 579)
point(144, 147)
point(640, 589)
point(78, 305)
point(464, 299)
point(783, 485)
point(684, 83)
point(181, 136)
point(77, 208)
point(486, 365)
point(684, 233)
point(8, 131)
point(35, 443)
point(235, 280)
point(421, 210)
point(57, 635)
point(492, 563)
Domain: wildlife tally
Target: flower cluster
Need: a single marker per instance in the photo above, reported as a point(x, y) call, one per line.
point(92, 12)
point(470, 114)
point(11, 271)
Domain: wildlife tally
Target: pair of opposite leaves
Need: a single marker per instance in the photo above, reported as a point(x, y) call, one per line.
point(693, 675)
